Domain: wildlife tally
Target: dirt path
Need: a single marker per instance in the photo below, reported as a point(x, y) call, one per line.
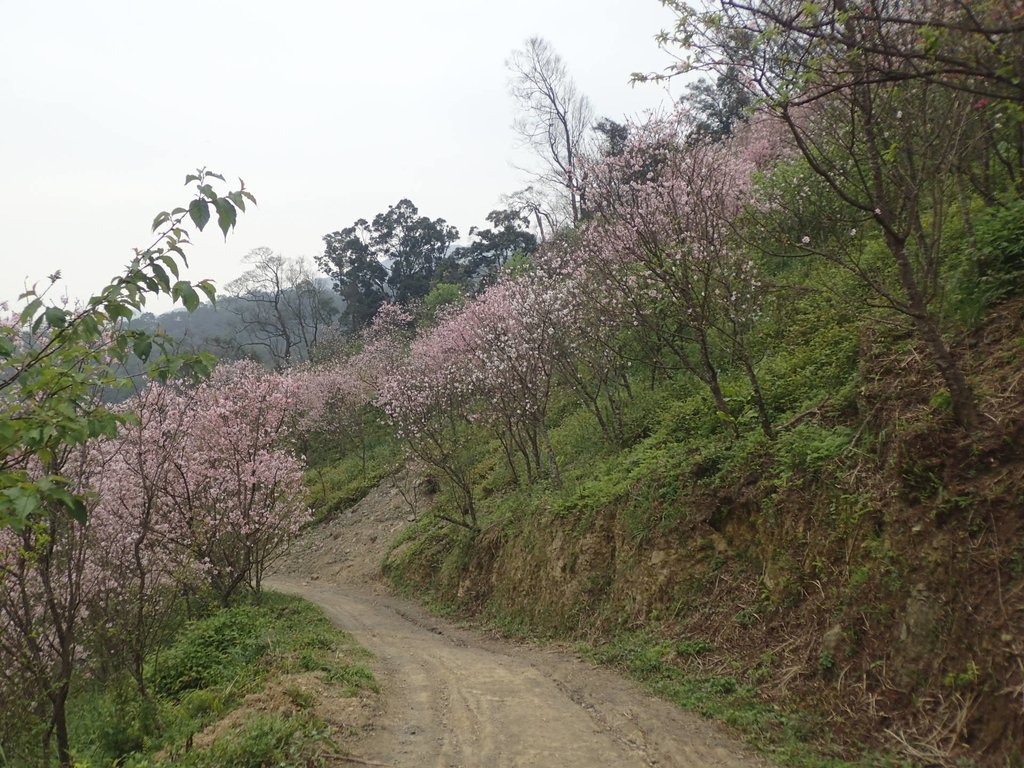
point(457, 698)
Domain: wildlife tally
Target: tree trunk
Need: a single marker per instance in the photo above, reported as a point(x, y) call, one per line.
point(961, 397)
point(60, 726)
point(556, 473)
point(759, 403)
point(711, 379)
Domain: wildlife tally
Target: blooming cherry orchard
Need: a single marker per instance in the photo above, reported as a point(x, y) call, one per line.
point(493, 364)
point(329, 399)
point(334, 401)
point(199, 485)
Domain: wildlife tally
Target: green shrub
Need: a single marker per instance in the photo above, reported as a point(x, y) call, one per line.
point(121, 722)
point(809, 448)
point(988, 267)
point(206, 673)
point(262, 741)
point(210, 652)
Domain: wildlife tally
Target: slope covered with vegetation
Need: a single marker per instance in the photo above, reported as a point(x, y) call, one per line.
point(864, 567)
point(270, 683)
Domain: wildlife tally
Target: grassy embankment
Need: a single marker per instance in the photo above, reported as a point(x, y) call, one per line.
point(268, 683)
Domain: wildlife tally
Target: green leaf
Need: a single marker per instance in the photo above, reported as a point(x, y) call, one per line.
point(199, 210)
point(226, 215)
point(171, 264)
point(117, 310)
point(56, 317)
point(89, 326)
point(162, 277)
point(209, 289)
point(161, 218)
point(9, 431)
point(184, 291)
point(142, 347)
point(238, 199)
point(30, 311)
point(74, 506)
point(21, 502)
point(76, 509)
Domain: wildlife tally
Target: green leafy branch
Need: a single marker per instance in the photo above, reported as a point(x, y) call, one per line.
point(56, 362)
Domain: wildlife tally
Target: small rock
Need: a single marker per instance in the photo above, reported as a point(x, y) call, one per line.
point(832, 640)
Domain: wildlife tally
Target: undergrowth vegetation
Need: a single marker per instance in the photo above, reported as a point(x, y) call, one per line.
point(672, 670)
point(239, 687)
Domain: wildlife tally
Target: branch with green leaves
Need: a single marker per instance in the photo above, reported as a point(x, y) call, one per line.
point(56, 361)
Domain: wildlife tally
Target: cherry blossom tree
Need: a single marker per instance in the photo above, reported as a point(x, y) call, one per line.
point(891, 103)
point(129, 532)
point(490, 364)
point(520, 329)
point(236, 495)
point(430, 400)
point(663, 249)
point(590, 357)
point(336, 397)
point(44, 585)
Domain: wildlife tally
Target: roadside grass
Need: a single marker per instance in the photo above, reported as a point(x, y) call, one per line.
point(196, 712)
point(790, 738)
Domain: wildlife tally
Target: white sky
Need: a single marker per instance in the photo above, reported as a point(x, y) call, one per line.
point(330, 111)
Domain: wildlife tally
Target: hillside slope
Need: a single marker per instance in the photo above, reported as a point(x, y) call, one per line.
point(867, 568)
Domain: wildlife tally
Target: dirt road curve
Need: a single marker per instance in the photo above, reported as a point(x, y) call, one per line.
point(456, 698)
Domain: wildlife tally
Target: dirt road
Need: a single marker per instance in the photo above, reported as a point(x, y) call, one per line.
point(458, 698)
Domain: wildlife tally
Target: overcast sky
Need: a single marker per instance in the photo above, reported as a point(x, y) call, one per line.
point(330, 111)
